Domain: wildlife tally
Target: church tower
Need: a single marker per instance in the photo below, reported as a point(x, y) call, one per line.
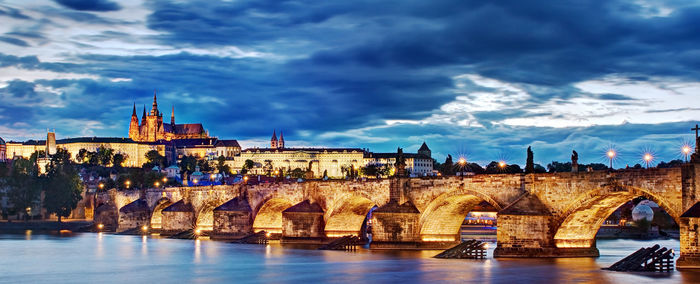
point(273, 140)
point(424, 150)
point(134, 125)
point(172, 118)
point(280, 142)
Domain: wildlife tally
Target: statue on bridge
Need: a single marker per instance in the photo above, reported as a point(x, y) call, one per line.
point(574, 162)
point(695, 157)
point(400, 164)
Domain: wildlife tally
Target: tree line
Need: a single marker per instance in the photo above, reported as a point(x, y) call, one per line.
point(24, 183)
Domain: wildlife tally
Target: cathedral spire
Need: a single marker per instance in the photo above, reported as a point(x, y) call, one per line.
point(154, 110)
point(280, 142)
point(143, 118)
point(273, 140)
point(133, 113)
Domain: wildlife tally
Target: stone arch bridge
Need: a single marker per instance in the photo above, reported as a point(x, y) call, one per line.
point(539, 215)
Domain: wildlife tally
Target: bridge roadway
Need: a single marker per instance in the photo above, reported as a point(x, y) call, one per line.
point(539, 215)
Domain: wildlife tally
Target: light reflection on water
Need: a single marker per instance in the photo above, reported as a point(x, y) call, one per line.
point(84, 258)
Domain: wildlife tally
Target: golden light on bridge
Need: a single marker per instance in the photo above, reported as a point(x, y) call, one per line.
point(100, 226)
point(144, 228)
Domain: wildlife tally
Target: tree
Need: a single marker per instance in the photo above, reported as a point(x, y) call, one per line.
point(558, 167)
point(153, 159)
point(63, 191)
point(91, 158)
point(63, 187)
point(369, 170)
point(204, 166)
point(474, 168)
point(671, 164)
point(530, 163)
point(104, 155)
point(24, 185)
point(117, 160)
point(539, 168)
point(247, 165)
point(82, 155)
point(297, 173)
point(268, 167)
point(221, 165)
point(188, 164)
point(447, 167)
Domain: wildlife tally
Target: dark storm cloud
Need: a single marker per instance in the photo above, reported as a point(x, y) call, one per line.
point(90, 5)
point(330, 67)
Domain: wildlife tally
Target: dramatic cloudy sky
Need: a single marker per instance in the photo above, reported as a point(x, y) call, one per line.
point(483, 79)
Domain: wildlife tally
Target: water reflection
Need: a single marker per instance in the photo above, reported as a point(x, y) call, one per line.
point(89, 257)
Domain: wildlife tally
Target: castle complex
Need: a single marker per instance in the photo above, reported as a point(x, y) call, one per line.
point(175, 141)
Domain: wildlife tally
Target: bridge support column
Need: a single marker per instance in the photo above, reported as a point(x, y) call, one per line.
point(303, 222)
point(177, 218)
point(233, 219)
point(690, 251)
point(395, 226)
point(526, 229)
point(134, 215)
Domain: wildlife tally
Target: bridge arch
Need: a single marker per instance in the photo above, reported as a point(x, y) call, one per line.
point(205, 216)
point(348, 216)
point(579, 224)
point(269, 215)
point(157, 214)
point(442, 218)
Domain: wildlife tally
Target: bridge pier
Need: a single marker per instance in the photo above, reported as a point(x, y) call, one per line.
point(395, 226)
point(177, 218)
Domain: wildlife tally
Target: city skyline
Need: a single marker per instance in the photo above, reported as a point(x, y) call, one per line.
point(345, 75)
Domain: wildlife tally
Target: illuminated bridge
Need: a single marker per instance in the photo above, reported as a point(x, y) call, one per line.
point(539, 215)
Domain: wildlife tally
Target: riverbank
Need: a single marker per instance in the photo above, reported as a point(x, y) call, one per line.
point(45, 225)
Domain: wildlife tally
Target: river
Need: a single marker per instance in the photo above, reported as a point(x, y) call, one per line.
point(99, 257)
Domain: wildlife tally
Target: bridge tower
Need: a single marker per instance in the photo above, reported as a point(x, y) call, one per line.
point(690, 219)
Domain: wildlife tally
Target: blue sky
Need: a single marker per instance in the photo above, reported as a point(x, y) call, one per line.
point(484, 79)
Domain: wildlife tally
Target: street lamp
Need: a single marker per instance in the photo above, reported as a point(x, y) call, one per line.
point(156, 184)
point(611, 156)
point(462, 162)
point(648, 158)
point(245, 179)
point(127, 183)
point(101, 186)
point(686, 151)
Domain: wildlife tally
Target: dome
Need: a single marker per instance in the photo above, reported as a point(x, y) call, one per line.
point(642, 212)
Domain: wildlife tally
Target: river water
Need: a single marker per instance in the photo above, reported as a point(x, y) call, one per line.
point(98, 257)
